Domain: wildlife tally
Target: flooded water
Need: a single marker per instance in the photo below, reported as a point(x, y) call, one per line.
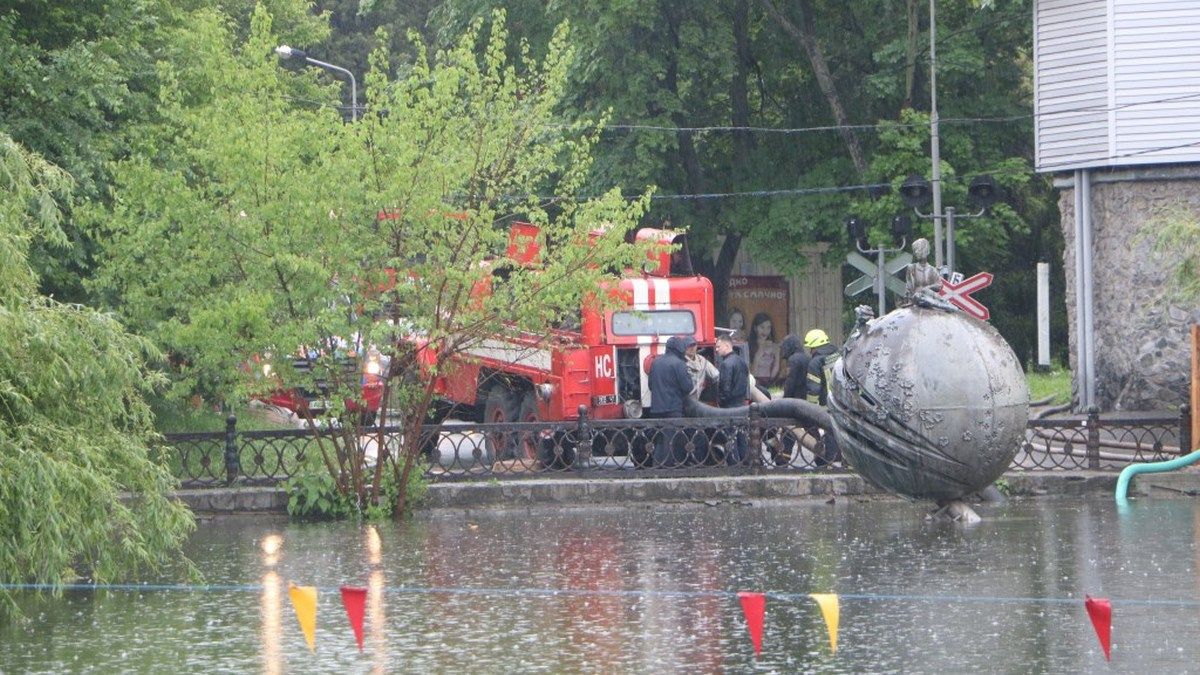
point(650, 589)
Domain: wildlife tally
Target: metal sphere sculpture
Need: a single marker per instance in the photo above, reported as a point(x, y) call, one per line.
point(928, 402)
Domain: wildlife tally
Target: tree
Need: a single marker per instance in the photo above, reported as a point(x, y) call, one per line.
point(75, 75)
point(693, 93)
point(266, 226)
point(83, 492)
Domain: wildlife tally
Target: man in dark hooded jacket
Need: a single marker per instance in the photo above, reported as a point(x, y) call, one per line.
point(670, 385)
point(796, 384)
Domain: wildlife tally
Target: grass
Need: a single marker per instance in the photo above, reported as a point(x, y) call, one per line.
point(1054, 383)
point(179, 417)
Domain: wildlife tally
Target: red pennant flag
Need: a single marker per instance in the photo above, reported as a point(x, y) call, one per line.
point(1100, 611)
point(354, 598)
point(754, 606)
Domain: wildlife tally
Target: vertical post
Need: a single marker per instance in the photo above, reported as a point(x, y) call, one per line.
point(1093, 437)
point(1089, 304)
point(880, 286)
point(950, 239)
point(756, 436)
point(934, 148)
point(1195, 437)
point(1081, 371)
point(1043, 316)
point(583, 436)
point(1186, 434)
point(233, 462)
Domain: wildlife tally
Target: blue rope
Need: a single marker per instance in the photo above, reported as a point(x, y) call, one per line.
point(553, 592)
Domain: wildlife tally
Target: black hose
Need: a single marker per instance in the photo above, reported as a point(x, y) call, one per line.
point(806, 414)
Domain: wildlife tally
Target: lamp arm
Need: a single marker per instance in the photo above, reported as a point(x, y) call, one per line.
point(353, 83)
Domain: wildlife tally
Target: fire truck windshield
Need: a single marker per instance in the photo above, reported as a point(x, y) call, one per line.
point(654, 322)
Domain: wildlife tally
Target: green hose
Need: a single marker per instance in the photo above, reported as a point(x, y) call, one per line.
point(1151, 467)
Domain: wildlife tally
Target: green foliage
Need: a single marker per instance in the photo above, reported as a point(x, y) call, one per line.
point(77, 78)
point(662, 69)
point(313, 494)
point(1175, 240)
point(1004, 486)
point(81, 491)
point(249, 227)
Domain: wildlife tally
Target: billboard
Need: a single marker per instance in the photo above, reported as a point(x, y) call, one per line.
point(757, 310)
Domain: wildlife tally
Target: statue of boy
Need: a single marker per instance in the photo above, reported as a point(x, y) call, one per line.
point(922, 281)
point(920, 274)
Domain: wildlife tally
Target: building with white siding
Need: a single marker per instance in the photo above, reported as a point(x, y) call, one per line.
point(1117, 106)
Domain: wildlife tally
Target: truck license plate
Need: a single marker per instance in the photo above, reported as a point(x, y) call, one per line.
point(610, 399)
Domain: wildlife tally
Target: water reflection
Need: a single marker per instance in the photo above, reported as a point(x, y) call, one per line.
point(651, 589)
point(270, 604)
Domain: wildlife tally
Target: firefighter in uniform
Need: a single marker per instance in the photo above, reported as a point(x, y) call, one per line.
point(822, 354)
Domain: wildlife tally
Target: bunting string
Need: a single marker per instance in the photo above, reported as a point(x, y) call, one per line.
point(753, 603)
point(551, 592)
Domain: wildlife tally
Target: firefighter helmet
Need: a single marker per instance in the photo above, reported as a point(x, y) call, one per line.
point(815, 338)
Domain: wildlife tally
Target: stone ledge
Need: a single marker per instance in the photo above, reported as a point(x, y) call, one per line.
point(234, 500)
point(566, 492)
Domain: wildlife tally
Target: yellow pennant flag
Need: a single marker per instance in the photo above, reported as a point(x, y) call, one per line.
point(831, 612)
point(304, 601)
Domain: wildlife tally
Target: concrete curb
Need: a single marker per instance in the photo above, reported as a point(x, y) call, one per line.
point(567, 492)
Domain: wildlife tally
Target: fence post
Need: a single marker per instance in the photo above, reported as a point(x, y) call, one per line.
point(1185, 430)
point(233, 462)
point(1093, 437)
point(755, 436)
point(583, 435)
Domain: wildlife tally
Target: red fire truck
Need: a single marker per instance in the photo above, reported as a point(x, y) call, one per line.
point(602, 366)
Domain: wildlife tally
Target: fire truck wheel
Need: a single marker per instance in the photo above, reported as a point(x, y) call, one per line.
point(502, 407)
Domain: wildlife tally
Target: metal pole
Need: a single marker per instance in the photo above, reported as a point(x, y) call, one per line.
point(1043, 315)
point(950, 239)
point(1088, 304)
point(880, 287)
point(934, 149)
point(233, 461)
point(353, 84)
point(1080, 341)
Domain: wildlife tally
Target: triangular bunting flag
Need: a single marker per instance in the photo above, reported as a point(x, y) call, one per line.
point(754, 606)
point(354, 599)
point(304, 601)
point(1100, 611)
point(831, 611)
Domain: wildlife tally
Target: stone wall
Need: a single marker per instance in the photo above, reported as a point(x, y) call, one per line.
point(1142, 342)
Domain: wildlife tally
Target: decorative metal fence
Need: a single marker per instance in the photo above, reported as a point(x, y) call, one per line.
point(626, 448)
point(1096, 442)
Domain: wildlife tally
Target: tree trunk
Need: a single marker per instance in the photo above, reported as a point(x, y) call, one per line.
point(805, 35)
point(743, 146)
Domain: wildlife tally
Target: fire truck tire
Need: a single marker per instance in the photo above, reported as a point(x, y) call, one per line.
point(501, 407)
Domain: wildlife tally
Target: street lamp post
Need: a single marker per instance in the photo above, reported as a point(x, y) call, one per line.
point(287, 52)
point(983, 192)
point(934, 150)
